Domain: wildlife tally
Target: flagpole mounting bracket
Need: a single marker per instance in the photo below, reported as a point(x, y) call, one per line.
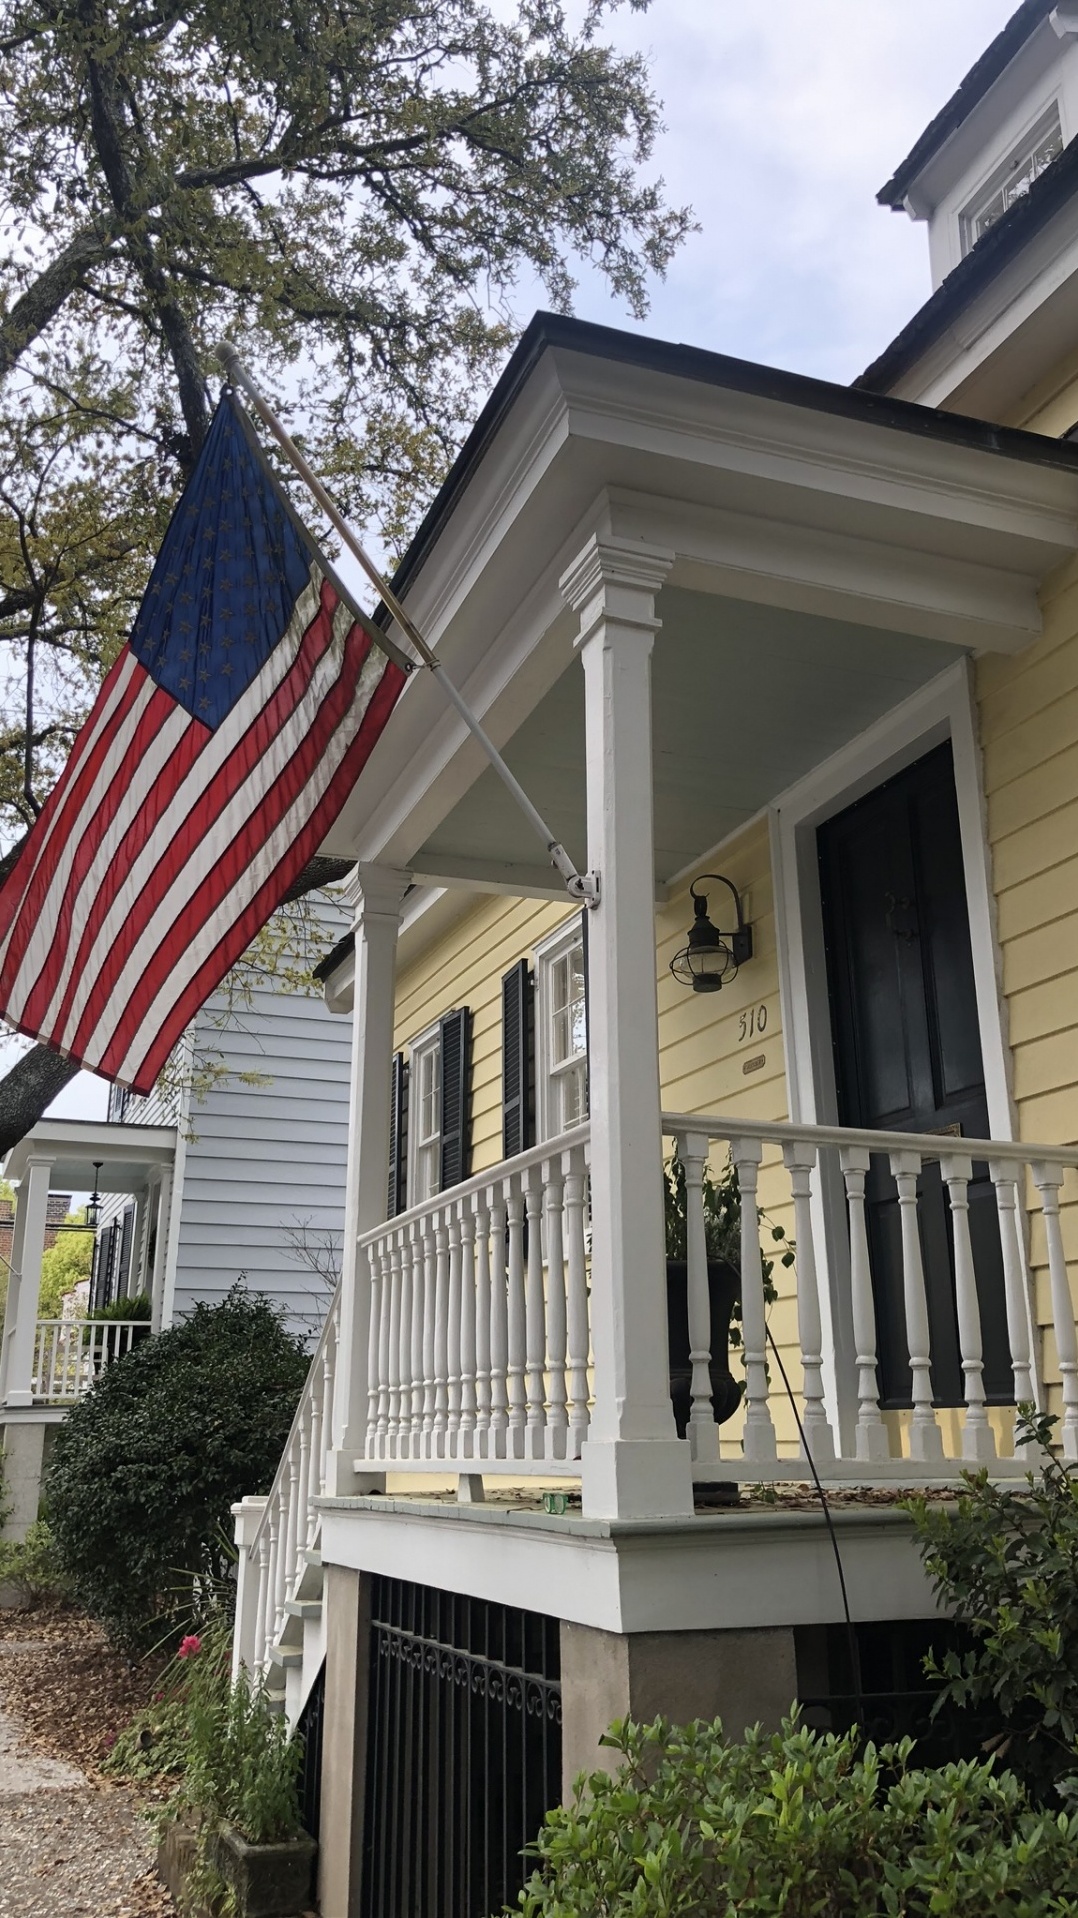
point(583, 886)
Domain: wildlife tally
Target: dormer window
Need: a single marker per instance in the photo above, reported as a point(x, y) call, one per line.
point(1012, 181)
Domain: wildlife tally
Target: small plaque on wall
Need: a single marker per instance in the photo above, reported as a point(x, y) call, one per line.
point(754, 1064)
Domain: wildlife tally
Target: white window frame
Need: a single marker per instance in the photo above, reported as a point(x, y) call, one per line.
point(546, 957)
point(1021, 152)
point(424, 1154)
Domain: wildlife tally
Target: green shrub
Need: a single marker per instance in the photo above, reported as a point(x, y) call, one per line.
point(242, 1767)
point(797, 1825)
point(32, 1565)
point(148, 1463)
point(1004, 1559)
point(64, 1265)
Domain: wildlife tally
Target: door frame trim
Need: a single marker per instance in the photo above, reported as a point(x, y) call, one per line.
point(943, 710)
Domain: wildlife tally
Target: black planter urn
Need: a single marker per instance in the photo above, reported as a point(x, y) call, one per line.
point(723, 1284)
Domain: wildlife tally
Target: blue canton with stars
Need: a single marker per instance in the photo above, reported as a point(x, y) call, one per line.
point(227, 578)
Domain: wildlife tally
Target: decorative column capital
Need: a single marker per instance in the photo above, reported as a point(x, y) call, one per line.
point(615, 579)
point(376, 892)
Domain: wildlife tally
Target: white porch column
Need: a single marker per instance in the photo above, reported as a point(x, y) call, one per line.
point(377, 893)
point(24, 1283)
point(633, 1464)
point(160, 1249)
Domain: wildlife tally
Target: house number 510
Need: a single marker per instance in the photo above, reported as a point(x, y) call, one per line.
point(751, 1023)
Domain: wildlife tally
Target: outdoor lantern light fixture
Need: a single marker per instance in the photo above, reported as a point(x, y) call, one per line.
point(710, 955)
point(93, 1209)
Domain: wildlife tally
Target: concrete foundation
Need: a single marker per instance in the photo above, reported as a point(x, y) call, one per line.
point(743, 1677)
point(345, 1598)
point(25, 1446)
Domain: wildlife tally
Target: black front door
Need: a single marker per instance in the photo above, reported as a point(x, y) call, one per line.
point(908, 1052)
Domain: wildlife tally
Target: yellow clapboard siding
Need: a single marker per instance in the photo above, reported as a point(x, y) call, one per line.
point(1024, 748)
point(1037, 847)
point(1046, 953)
point(1046, 1065)
point(1040, 900)
point(1022, 696)
point(1038, 1012)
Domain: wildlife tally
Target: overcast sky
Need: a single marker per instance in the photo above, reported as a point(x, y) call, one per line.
point(783, 117)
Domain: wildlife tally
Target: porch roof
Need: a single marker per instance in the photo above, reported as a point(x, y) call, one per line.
point(832, 551)
point(126, 1153)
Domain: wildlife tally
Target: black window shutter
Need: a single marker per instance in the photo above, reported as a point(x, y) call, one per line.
point(456, 1041)
point(518, 1060)
point(123, 1277)
point(398, 1138)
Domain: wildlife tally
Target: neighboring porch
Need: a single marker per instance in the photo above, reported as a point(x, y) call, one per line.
point(47, 1364)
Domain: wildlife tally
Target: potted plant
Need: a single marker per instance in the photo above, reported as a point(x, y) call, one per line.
point(233, 1838)
point(136, 1311)
point(722, 1240)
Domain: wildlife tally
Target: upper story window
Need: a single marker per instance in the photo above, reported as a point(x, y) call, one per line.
point(1011, 181)
point(425, 1117)
point(562, 1031)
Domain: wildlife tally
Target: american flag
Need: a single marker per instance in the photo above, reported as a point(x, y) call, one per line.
point(221, 747)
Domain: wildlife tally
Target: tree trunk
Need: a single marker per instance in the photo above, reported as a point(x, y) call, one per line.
point(36, 1079)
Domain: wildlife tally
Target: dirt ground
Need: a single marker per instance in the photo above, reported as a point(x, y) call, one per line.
point(72, 1841)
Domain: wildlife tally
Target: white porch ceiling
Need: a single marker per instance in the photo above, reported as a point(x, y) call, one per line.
point(126, 1153)
point(746, 699)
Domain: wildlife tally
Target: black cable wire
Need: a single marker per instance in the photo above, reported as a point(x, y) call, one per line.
point(851, 1631)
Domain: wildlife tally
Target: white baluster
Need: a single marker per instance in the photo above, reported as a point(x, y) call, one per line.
point(280, 1564)
point(978, 1441)
point(453, 1334)
point(759, 1439)
point(404, 1363)
point(430, 1317)
point(871, 1431)
point(318, 1390)
point(394, 1353)
point(557, 1415)
point(702, 1432)
point(516, 1317)
point(499, 1329)
point(261, 1616)
point(441, 1338)
point(578, 1334)
point(468, 1401)
point(481, 1222)
point(535, 1319)
point(1004, 1179)
point(926, 1439)
point(329, 1385)
point(800, 1163)
point(303, 1487)
point(373, 1347)
point(290, 1494)
point(419, 1317)
point(384, 1313)
point(1048, 1179)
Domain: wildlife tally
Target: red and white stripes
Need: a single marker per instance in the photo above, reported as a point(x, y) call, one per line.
point(165, 846)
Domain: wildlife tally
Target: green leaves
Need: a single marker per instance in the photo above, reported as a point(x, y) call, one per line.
point(1004, 1560)
point(798, 1825)
point(147, 1465)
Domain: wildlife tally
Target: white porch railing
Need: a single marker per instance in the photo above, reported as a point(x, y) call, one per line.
point(69, 1354)
point(478, 1340)
point(866, 1453)
point(274, 1556)
point(479, 1337)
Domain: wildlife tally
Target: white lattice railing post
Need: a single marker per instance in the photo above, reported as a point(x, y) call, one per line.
point(871, 1431)
point(800, 1162)
point(759, 1440)
point(247, 1516)
point(926, 1439)
point(1048, 1179)
point(703, 1433)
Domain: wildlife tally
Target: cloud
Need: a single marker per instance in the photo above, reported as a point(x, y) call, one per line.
point(783, 120)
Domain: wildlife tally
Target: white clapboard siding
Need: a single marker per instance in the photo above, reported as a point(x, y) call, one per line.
point(262, 1163)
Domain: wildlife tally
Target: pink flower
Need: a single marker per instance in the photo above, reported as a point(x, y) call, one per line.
point(158, 1698)
point(108, 1741)
point(190, 1646)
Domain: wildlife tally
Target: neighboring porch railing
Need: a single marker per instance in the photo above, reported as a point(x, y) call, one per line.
point(866, 1451)
point(69, 1354)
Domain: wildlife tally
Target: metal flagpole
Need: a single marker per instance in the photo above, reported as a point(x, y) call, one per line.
point(582, 886)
